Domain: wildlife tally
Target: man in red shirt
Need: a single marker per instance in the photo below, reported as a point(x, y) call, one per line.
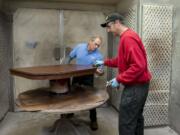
point(133, 73)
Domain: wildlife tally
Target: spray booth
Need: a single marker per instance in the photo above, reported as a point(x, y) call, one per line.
point(39, 33)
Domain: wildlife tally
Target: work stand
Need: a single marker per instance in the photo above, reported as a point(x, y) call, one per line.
point(60, 96)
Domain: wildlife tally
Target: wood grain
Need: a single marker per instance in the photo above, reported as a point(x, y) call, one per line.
point(53, 72)
point(79, 98)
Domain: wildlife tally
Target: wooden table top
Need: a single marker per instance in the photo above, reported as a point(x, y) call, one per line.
point(53, 72)
point(80, 98)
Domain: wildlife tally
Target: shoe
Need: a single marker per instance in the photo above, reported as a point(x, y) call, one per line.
point(94, 125)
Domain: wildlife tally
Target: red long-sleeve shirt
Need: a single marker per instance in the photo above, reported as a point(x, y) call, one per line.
point(131, 60)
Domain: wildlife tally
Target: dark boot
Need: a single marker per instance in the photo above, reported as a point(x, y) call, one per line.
point(93, 118)
point(94, 125)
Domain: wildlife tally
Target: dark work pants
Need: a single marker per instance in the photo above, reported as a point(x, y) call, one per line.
point(131, 120)
point(89, 81)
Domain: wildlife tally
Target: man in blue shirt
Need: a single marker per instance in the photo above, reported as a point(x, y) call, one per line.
point(87, 54)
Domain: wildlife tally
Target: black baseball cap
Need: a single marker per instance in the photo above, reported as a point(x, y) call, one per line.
point(111, 18)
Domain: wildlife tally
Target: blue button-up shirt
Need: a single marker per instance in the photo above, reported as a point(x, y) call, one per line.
point(83, 56)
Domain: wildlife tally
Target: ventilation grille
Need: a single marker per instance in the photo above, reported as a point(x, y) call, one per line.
point(157, 38)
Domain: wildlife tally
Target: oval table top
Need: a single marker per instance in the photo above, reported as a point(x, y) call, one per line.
point(53, 72)
point(77, 99)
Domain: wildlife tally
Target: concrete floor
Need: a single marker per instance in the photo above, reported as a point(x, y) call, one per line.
point(26, 123)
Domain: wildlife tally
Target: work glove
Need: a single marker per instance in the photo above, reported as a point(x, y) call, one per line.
point(99, 63)
point(114, 83)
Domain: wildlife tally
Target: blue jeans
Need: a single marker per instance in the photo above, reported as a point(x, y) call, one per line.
point(131, 120)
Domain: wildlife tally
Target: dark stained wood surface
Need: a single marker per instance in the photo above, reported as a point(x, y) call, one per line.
point(79, 98)
point(53, 72)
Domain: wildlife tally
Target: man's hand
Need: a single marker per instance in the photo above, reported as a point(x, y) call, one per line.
point(99, 71)
point(114, 83)
point(99, 63)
